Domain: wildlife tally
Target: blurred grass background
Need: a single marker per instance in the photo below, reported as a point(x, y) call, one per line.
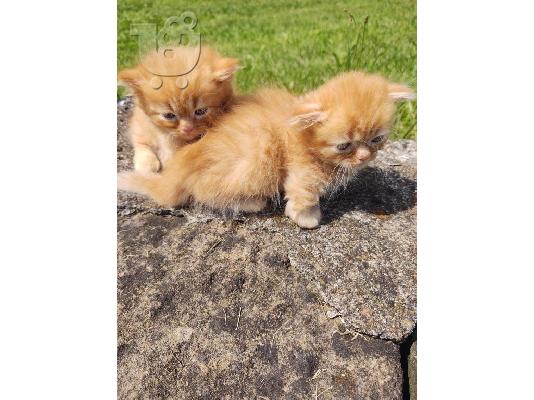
point(295, 44)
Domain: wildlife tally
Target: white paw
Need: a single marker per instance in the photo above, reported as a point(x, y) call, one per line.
point(125, 181)
point(252, 205)
point(307, 218)
point(146, 162)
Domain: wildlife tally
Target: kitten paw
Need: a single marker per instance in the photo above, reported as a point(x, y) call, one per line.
point(146, 162)
point(306, 218)
point(251, 205)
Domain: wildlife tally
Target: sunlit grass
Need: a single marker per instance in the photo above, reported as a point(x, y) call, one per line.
point(297, 44)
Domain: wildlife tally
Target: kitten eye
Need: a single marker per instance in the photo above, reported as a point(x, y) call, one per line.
point(377, 139)
point(169, 116)
point(344, 146)
point(201, 111)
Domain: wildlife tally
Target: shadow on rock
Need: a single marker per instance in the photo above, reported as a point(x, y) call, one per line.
point(373, 190)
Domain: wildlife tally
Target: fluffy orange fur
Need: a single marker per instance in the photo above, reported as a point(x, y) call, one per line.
point(168, 117)
point(275, 143)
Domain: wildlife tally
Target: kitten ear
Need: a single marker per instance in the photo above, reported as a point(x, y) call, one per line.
point(225, 69)
point(400, 92)
point(130, 77)
point(306, 115)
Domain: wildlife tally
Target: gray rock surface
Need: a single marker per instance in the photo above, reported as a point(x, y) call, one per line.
point(214, 306)
point(412, 371)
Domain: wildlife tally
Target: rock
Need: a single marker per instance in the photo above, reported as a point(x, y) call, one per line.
point(251, 306)
point(212, 311)
point(412, 371)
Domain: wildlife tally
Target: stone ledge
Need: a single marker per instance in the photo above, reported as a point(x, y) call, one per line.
point(234, 306)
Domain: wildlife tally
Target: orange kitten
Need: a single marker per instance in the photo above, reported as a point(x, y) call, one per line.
point(168, 117)
point(277, 143)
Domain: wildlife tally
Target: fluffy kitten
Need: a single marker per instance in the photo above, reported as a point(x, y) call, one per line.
point(168, 117)
point(277, 143)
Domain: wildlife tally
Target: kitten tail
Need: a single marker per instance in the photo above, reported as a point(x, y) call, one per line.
point(153, 185)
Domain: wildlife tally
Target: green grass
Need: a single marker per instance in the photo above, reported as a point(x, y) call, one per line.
point(295, 44)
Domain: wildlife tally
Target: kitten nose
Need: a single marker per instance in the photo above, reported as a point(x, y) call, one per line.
point(363, 153)
point(187, 127)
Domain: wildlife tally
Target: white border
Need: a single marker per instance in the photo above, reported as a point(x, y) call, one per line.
point(58, 210)
point(475, 200)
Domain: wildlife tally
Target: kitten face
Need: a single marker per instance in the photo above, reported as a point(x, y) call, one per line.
point(350, 141)
point(346, 121)
point(186, 112)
